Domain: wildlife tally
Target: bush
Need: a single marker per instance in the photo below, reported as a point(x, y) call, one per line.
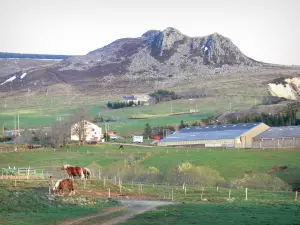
point(261, 181)
point(195, 175)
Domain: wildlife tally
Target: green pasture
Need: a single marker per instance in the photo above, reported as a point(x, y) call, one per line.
point(230, 163)
point(24, 207)
point(222, 213)
point(136, 126)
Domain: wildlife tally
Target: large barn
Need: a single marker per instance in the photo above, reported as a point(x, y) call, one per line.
point(278, 137)
point(226, 135)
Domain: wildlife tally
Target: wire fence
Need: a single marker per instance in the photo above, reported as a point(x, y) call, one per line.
point(114, 187)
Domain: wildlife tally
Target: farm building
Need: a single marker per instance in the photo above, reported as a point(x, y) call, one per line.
point(86, 131)
point(136, 99)
point(226, 135)
point(278, 137)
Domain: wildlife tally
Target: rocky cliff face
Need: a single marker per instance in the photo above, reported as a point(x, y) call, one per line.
point(155, 50)
point(289, 88)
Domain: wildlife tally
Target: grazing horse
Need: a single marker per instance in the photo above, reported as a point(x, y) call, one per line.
point(61, 184)
point(73, 171)
point(86, 173)
point(121, 147)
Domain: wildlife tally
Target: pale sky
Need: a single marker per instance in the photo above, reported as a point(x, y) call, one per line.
point(265, 30)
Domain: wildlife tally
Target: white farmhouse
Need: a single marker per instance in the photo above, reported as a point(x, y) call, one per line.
point(89, 131)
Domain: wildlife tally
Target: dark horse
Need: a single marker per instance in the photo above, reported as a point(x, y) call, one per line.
point(121, 147)
point(61, 184)
point(73, 171)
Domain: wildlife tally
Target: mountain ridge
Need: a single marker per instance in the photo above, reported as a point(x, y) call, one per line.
point(163, 57)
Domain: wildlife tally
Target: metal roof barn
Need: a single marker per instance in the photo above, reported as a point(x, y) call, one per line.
point(229, 135)
point(278, 137)
point(279, 132)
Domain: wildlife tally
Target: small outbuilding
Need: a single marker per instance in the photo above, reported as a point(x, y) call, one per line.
point(278, 137)
point(226, 135)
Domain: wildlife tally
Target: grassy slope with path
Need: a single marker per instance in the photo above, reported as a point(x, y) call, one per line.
point(224, 213)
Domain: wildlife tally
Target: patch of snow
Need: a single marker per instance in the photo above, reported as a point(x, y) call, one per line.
point(9, 80)
point(23, 75)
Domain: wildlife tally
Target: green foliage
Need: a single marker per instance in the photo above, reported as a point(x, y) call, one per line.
point(195, 175)
point(147, 131)
point(141, 174)
point(162, 130)
point(164, 95)
point(7, 55)
point(182, 125)
point(6, 138)
point(282, 119)
point(119, 105)
point(261, 181)
point(106, 136)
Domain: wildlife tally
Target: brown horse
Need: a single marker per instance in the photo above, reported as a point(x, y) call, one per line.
point(73, 171)
point(121, 147)
point(61, 184)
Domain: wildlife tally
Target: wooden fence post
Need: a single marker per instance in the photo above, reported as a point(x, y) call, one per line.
point(49, 189)
point(84, 183)
point(109, 192)
point(217, 188)
point(120, 189)
point(18, 174)
point(99, 174)
point(229, 193)
point(104, 182)
point(141, 188)
point(172, 195)
point(28, 172)
point(153, 185)
point(43, 173)
point(202, 194)
point(296, 195)
point(2, 174)
point(15, 181)
point(246, 194)
point(132, 184)
point(184, 190)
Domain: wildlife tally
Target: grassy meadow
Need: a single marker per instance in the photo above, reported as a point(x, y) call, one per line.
point(222, 213)
point(230, 163)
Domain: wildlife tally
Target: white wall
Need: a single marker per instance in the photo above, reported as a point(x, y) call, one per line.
point(92, 132)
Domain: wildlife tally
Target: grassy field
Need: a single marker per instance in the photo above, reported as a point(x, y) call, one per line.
point(44, 111)
point(230, 163)
point(224, 213)
point(23, 206)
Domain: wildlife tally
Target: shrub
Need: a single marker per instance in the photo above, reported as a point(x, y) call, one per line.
point(195, 175)
point(261, 181)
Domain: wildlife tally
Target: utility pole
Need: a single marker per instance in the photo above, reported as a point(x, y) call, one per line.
point(15, 132)
point(18, 124)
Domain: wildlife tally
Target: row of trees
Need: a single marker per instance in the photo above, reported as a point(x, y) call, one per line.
point(158, 131)
point(164, 95)
point(118, 105)
point(7, 55)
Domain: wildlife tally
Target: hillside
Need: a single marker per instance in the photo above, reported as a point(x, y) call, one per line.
point(156, 59)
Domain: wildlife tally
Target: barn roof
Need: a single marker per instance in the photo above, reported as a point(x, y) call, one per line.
point(212, 132)
point(129, 98)
point(279, 132)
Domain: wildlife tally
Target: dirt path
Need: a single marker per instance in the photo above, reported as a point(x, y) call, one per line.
point(128, 209)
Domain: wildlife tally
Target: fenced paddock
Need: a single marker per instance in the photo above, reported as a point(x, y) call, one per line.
point(115, 188)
